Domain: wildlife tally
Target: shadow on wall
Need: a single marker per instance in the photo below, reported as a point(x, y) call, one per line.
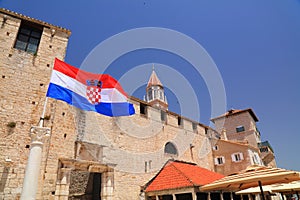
point(4, 178)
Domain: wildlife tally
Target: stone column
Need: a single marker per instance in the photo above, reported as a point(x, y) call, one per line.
point(30, 184)
point(62, 187)
point(107, 186)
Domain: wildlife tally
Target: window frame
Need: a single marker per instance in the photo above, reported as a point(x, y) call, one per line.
point(179, 121)
point(167, 152)
point(220, 160)
point(237, 157)
point(143, 109)
point(163, 116)
point(215, 147)
point(30, 32)
point(240, 128)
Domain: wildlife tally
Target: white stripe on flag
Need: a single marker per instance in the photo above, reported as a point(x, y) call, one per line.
point(108, 95)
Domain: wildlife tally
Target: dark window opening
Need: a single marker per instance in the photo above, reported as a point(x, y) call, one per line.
point(215, 196)
point(179, 121)
point(220, 160)
point(186, 196)
point(143, 109)
point(201, 195)
point(28, 37)
point(167, 197)
point(163, 116)
point(264, 149)
point(240, 129)
point(226, 196)
point(194, 126)
point(206, 131)
point(170, 148)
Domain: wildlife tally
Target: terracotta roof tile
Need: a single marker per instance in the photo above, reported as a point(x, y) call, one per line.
point(177, 174)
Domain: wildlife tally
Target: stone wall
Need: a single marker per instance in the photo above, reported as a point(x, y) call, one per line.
point(24, 80)
point(135, 145)
point(226, 149)
point(231, 122)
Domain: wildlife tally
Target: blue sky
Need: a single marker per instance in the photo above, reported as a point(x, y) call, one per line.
point(255, 45)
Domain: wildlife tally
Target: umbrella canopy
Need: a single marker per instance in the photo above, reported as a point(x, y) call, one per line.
point(253, 176)
point(287, 187)
point(255, 190)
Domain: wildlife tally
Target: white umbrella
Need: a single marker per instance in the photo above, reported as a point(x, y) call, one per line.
point(255, 190)
point(287, 187)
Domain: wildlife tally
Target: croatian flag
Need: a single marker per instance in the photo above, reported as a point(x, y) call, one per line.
point(91, 92)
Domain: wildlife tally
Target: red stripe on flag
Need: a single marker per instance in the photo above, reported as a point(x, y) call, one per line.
point(83, 76)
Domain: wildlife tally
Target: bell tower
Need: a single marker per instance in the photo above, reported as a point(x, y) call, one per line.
point(155, 94)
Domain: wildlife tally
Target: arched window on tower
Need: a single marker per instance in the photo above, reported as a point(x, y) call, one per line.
point(170, 149)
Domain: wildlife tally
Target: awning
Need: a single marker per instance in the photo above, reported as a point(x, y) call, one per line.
point(255, 190)
point(252, 177)
point(293, 187)
point(287, 187)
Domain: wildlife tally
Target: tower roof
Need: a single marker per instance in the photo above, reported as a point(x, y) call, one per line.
point(153, 80)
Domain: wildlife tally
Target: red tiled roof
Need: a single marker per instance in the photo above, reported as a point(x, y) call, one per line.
point(177, 174)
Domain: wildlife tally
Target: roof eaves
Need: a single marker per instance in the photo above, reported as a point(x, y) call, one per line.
point(227, 114)
point(37, 21)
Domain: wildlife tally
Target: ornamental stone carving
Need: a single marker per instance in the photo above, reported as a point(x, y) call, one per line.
point(39, 134)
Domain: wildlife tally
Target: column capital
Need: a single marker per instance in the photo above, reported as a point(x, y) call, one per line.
point(38, 134)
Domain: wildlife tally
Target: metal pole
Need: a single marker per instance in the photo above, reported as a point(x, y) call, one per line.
point(261, 190)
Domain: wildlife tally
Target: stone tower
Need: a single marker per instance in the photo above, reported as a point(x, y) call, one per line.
point(155, 94)
point(28, 49)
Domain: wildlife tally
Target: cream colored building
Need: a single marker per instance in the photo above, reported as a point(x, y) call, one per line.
point(87, 155)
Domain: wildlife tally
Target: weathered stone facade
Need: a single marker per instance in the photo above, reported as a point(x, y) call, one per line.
point(24, 81)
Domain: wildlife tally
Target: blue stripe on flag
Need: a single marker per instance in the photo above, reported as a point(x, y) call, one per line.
point(109, 109)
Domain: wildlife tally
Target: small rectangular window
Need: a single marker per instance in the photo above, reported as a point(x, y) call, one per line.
point(143, 109)
point(215, 148)
point(194, 126)
point(28, 37)
point(240, 129)
point(256, 159)
point(219, 160)
point(179, 122)
point(264, 149)
point(237, 157)
point(163, 116)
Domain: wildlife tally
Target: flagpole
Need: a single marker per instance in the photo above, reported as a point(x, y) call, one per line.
point(41, 122)
point(38, 135)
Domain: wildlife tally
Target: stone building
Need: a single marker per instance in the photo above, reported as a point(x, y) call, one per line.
point(240, 145)
point(86, 155)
